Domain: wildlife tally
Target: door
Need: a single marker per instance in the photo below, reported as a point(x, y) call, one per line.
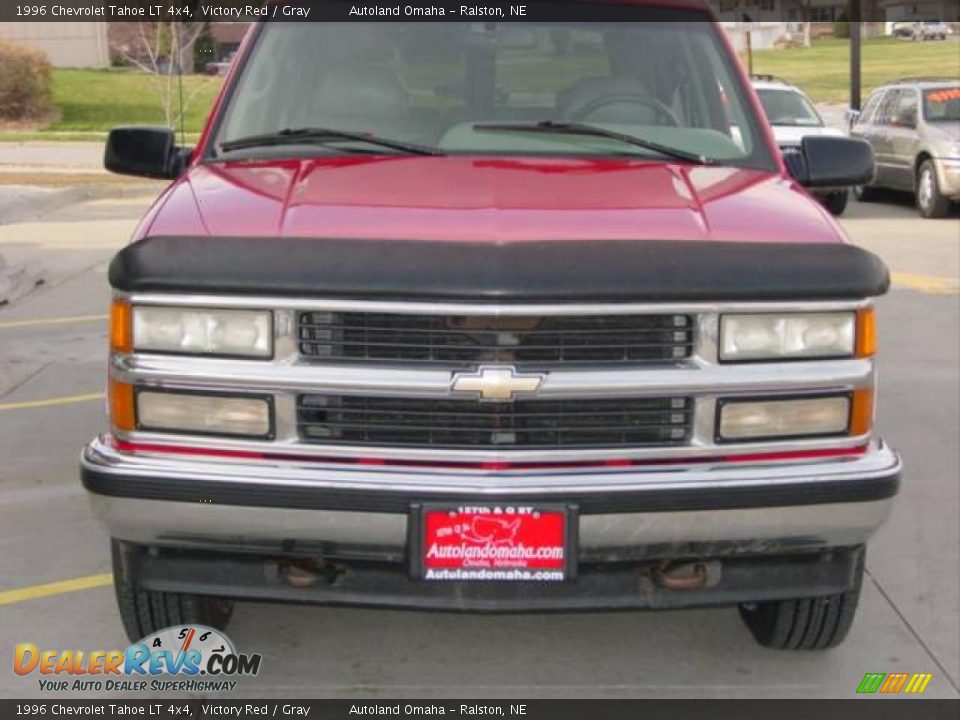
point(882, 140)
point(903, 139)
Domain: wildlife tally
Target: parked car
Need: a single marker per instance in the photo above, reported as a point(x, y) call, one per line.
point(793, 117)
point(914, 128)
point(554, 339)
point(933, 30)
point(926, 30)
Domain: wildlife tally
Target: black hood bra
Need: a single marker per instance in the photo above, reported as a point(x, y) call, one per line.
point(564, 271)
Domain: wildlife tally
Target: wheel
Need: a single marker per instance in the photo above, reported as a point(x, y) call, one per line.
point(866, 193)
point(815, 623)
point(836, 202)
point(146, 611)
point(930, 203)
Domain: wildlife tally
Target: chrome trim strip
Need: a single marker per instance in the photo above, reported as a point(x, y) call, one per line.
point(878, 462)
point(701, 447)
point(491, 309)
point(708, 378)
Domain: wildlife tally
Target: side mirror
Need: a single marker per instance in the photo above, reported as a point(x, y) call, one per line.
point(144, 151)
point(837, 162)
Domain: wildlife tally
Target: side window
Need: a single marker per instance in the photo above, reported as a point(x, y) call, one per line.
point(870, 109)
point(888, 108)
point(907, 109)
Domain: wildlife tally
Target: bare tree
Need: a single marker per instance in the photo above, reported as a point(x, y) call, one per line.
point(164, 50)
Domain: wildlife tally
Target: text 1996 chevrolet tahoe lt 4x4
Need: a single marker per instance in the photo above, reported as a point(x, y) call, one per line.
point(492, 317)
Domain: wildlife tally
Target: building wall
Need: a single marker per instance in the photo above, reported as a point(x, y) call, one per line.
point(66, 44)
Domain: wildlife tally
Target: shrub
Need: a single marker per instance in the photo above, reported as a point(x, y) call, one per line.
point(25, 84)
point(841, 29)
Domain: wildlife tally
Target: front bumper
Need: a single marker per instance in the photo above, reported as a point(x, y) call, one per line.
point(755, 531)
point(660, 511)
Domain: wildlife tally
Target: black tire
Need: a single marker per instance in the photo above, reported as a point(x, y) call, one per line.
point(836, 202)
point(930, 202)
point(146, 611)
point(865, 193)
point(815, 623)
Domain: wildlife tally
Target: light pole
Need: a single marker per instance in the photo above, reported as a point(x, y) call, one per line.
point(855, 47)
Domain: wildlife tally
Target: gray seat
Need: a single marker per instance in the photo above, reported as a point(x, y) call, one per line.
point(362, 98)
point(575, 101)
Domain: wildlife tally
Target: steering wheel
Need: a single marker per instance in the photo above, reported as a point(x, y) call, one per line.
point(659, 108)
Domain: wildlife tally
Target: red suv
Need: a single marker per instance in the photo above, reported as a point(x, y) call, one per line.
point(492, 316)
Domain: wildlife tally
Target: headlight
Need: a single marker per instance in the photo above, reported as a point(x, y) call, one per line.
point(768, 419)
point(787, 336)
point(196, 331)
point(212, 414)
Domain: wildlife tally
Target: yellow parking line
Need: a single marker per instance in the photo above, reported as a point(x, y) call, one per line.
point(50, 402)
point(8, 597)
point(51, 321)
point(926, 283)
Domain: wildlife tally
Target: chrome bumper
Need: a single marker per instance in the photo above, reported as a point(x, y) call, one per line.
point(655, 511)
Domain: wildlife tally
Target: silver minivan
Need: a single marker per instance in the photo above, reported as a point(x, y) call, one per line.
point(914, 128)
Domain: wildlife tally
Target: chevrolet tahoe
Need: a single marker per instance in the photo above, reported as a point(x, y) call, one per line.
point(492, 317)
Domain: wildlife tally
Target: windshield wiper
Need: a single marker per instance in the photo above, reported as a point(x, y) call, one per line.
point(321, 135)
point(575, 128)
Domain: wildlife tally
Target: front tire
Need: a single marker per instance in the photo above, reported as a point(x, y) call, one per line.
point(836, 202)
point(144, 612)
point(930, 202)
point(815, 623)
point(865, 193)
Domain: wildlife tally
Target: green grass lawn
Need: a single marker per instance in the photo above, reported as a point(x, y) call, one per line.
point(96, 100)
point(823, 70)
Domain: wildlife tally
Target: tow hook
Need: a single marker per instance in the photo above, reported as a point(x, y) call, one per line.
point(688, 576)
point(307, 573)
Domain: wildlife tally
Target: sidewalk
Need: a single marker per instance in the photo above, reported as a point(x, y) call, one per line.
point(42, 155)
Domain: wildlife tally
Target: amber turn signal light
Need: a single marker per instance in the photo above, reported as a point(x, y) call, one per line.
point(866, 333)
point(861, 413)
point(122, 414)
point(121, 326)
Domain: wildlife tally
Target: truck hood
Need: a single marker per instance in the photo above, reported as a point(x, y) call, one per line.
point(488, 199)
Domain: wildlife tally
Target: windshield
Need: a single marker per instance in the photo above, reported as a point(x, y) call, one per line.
point(436, 84)
point(786, 107)
point(942, 104)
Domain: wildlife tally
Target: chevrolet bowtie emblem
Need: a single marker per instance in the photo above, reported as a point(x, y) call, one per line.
point(496, 383)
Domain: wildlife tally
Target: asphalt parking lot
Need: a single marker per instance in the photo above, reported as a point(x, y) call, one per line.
point(52, 356)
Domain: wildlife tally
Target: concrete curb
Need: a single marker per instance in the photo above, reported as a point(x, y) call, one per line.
point(20, 208)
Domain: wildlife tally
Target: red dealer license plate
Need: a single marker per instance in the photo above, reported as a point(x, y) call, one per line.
point(493, 543)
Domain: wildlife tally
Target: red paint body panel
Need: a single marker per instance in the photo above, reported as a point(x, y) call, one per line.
point(482, 199)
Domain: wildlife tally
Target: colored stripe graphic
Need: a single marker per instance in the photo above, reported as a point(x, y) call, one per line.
point(870, 683)
point(913, 683)
point(918, 683)
point(893, 683)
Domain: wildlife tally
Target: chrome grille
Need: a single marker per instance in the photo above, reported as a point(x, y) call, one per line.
point(520, 424)
point(464, 340)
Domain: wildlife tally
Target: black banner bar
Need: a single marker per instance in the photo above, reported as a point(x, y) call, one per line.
point(198, 709)
point(743, 12)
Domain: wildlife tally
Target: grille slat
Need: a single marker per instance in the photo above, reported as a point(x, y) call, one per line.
point(467, 340)
point(455, 423)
